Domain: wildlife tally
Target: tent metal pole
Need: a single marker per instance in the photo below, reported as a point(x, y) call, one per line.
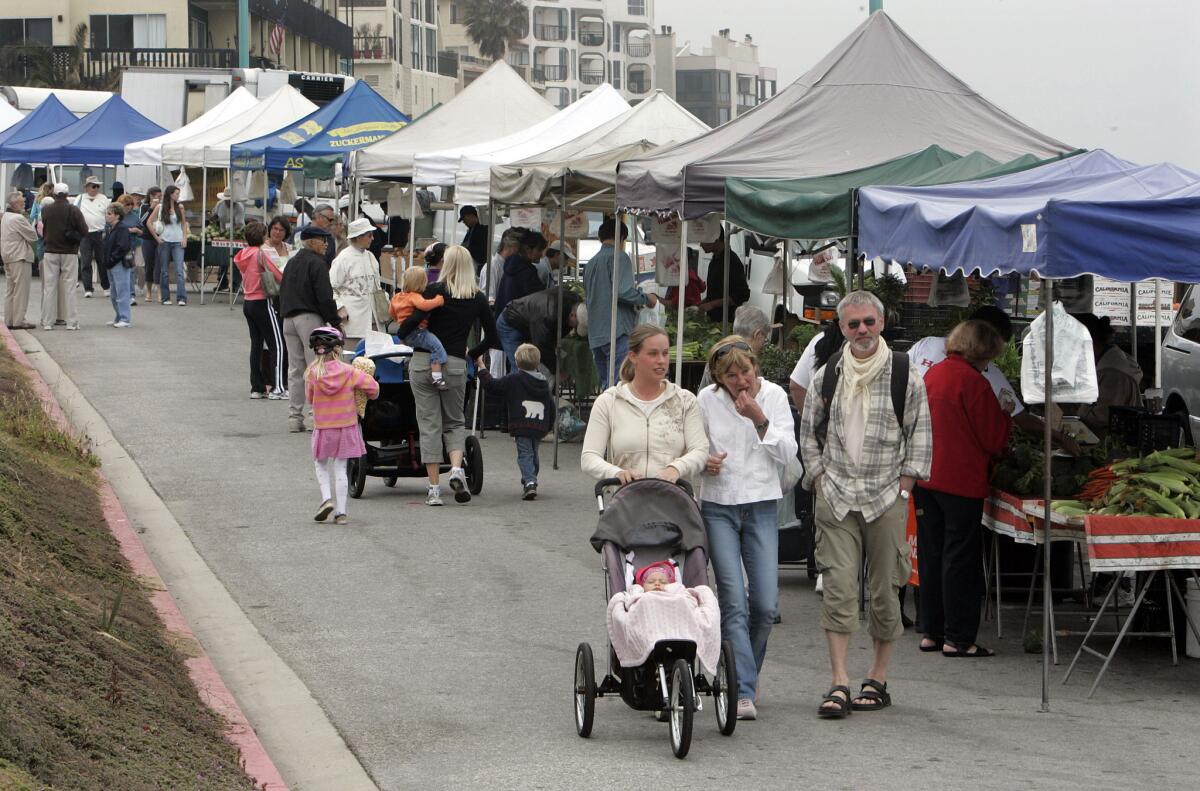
point(1157, 332)
point(203, 229)
point(1133, 320)
point(412, 225)
point(786, 287)
point(1048, 450)
point(683, 274)
point(266, 196)
point(618, 248)
point(595, 194)
point(725, 232)
point(562, 259)
point(229, 265)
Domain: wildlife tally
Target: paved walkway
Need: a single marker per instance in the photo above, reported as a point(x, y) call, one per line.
point(440, 642)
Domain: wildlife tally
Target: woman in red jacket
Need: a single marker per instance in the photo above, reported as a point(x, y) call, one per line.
point(970, 428)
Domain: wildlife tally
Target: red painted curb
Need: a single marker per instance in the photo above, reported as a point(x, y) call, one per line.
point(211, 688)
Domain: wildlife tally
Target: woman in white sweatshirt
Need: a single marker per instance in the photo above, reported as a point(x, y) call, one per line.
point(645, 426)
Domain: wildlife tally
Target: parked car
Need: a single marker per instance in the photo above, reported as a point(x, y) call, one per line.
point(1181, 363)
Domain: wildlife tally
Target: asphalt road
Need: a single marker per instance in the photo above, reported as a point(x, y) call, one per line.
point(440, 642)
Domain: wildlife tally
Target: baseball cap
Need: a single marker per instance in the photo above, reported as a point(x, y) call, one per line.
point(91, 180)
point(465, 210)
point(562, 248)
point(312, 231)
point(61, 189)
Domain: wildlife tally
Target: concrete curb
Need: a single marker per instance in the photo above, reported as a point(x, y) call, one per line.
point(291, 722)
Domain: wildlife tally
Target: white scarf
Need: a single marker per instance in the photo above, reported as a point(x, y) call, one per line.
point(858, 375)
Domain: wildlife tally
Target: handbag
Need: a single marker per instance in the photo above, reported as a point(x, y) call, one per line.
point(381, 305)
point(269, 285)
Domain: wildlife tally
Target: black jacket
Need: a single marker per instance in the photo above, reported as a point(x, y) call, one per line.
point(117, 244)
point(475, 241)
point(533, 317)
point(57, 219)
point(527, 396)
point(452, 322)
point(520, 279)
point(739, 289)
point(306, 288)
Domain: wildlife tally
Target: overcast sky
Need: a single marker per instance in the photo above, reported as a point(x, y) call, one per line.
point(1117, 74)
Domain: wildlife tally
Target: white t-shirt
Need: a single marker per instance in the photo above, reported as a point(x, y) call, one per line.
point(803, 372)
point(930, 351)
point(647, 407)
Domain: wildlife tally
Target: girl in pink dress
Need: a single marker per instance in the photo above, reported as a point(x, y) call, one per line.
point(329, 385)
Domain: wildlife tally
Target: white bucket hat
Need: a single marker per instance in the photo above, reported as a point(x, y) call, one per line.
point(359, 227)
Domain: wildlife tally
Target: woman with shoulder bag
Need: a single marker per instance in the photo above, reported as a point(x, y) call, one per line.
point(169, 226)
point(260, 284)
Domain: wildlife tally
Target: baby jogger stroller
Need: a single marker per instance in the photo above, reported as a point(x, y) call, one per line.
point(647, 521)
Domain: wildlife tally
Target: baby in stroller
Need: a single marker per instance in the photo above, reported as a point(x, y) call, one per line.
point(658, 608)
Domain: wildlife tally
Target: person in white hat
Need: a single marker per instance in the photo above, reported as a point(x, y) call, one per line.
point(355, 279)
point(552, 261)
point(225, 209)
point(94, 204)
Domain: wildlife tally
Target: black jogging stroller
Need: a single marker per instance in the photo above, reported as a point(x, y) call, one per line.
point(643, 522)
point(390, 432)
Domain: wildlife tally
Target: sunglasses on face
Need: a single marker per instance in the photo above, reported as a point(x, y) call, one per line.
point(727, 348)
point(853, 323)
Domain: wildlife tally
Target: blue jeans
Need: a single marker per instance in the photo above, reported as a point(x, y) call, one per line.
point(745, 534)
point(527, 459)
point(510, 339)
point(120, 291)
point(424, 339)
point(171, 252)
point(600, 355)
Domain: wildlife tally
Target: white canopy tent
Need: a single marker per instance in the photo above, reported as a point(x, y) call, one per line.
point(210, 148)
point(657, 121)
point(232, 107)
point(497, 104)
point(439, 168)
point(9, 115)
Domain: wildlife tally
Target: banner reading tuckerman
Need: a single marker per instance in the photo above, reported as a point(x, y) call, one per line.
point(357, 118)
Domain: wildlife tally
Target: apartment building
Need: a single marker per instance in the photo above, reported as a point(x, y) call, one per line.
point(569, 47)
point(187, 33)
point(717, 85)
point(396, 46)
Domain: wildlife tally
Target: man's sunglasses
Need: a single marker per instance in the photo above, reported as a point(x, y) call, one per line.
point(853, 323)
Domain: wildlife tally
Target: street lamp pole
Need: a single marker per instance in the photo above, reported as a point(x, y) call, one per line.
point(876, 5)
point(243, 34)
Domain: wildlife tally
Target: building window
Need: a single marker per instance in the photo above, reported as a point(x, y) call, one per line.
point(431, 11)
point(517, 56)
point(128, 31)
point(637, 7)
point(639, 78)
point(25, 31)
point(415, 9)
point(591, 68)
point(638, 45)
point(591, 31)
point(431, 50)
point(616, 74)
point(415, 35)
point(454, 13)
point(616, 37)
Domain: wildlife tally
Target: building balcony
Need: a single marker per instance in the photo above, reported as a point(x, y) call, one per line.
point(374, 48)
point(591, 39)
point(638, 49)
point(447, 64)
point(550, 73)
point(591, 77)
point(550, 32)
point(100, 68)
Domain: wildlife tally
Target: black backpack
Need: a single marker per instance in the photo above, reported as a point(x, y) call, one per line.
point(829, 383)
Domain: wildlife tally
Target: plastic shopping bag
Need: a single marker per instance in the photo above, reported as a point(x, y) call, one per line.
point(1072, 367)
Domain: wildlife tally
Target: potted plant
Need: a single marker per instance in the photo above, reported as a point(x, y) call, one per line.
point(361, 35)
point(377, 41)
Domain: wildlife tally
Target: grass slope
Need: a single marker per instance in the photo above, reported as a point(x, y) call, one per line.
point(93, 695)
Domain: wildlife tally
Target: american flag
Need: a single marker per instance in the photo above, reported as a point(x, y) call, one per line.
point(277, 40)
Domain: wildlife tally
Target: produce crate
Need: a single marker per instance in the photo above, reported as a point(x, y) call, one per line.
point(1145, 432)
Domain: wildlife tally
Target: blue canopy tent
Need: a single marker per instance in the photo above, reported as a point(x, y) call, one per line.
point(99, 138)
point(355, 119)
point(47, 118)
point(1090, 214)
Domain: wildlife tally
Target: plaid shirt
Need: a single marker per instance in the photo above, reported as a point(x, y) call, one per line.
point(888, 452)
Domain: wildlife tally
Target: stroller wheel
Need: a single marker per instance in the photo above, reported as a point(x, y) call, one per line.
point(390, 482)
point(683, 704)
point(356, 472)
point(585, 690)
point(473, 464)
point(724, 689)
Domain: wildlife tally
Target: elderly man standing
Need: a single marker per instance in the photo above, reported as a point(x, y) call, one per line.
point(306, 302)
point(862, 490)
point(325, 217)
point(17, 237)
point(94, 205)
point(63, 227)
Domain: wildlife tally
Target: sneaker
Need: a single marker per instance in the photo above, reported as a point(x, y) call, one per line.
point(47, 327)
point(256, 395)
point(278, 395)
point(73, 327)
point(122, 325)
point(110, 323)
point(106, 292)
point(133, 302)
point(746, 710)
point(167, 302)
point(340, 519)
point(458, 484)
point(820, 588)
point(296, 425)
point(87, 295)
point(530, 491)
point(434, 496)
point(323, 512)
point(182, 303)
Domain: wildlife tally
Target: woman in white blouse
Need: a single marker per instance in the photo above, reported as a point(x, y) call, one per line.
point(751, 440)
point(354, 276)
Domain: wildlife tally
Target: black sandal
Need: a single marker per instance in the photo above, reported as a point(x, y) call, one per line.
point(928, 649)
point(876, 695)
point(842, 708)
point(979, 653)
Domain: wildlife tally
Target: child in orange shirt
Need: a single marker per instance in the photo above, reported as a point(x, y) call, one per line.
point(412, 298)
